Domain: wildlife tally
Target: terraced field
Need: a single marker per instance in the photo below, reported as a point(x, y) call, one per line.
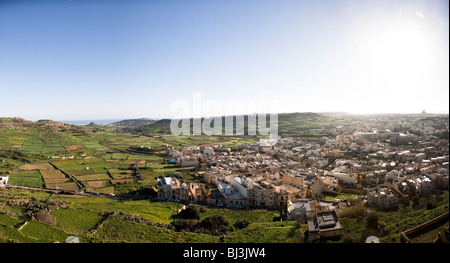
point(31, 178)
point(42, 175)
point(93, 219)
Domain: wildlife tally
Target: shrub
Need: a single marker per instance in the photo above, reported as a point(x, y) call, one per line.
point(353, 212)
point(45, 217)
point(191, 212)
point(241, 224)
point(415, 201)
point(190, 225)
point(215, 224)
point(372, 220)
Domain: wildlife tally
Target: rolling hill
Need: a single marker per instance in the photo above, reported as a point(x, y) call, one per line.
point(289, 124)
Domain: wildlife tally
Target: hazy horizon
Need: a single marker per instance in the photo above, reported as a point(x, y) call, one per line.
point(100, 60)
point(112, 120)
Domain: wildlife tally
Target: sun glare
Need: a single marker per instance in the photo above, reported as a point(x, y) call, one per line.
point(395, 59)
point(400, 51)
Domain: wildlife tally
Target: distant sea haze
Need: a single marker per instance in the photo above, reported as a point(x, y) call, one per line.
point(86, 122)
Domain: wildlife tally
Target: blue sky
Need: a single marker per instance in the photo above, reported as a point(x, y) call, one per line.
point(74, 60)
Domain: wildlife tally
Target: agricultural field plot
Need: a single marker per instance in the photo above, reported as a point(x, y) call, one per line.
point(73, 147)
point(93, 177)
point(80, 172)
point(53, 146)
point(119, 156)
point(86, 166)
point(52, 174)
point(41, 141)
point(11, 139)
point(52, 178)
point(101, 165)
point(99, 175)
point(45, 232)
point(76, 221)
point(203, 140)
point(71, 165)
point(54, 149)
point(36, 166)
point(93, 144)
point(120, 173)
point(32, 146)
point(8, 220)
point(124, 140)
point(102, 190)
point(155, 159)
point(32, 178)
point(55, 179)
point(96, 184)
point(71, 186)
point(122, 176)
point(7, 164)
point(122, 181)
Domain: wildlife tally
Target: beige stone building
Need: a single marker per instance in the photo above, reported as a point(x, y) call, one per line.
point(382, 197)
point(173, 188)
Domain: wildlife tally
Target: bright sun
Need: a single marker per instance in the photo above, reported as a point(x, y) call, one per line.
point(399, 52)
point(397, 61)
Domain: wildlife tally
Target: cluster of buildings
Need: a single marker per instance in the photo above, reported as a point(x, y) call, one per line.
point(387, 160)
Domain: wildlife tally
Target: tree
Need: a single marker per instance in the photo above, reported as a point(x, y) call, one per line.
point(191, 212)
point(415, 201)
point(372, 220)
point(241, 224)
point(185, 225)
point(215, 224)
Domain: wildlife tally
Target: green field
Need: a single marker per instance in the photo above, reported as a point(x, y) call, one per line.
point(76, 221)
point(84, 215)
point(44, 232)
point(137, 233)
point(274, 232)
point(27, 178)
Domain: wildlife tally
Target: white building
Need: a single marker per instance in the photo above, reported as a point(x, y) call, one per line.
point(420, 156)
point(368, 136)
point(242, 184)
point(174, 153)
point(300, 209)
point(421, 185)
point(322, 163)
point(345, 178)
point(208, 150)
point(3, 180)
point(225, 189)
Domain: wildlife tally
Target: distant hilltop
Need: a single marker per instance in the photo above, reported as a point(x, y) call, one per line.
point(12, 120)
point(134, 122)
point(336, 114)
point(162, 125)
